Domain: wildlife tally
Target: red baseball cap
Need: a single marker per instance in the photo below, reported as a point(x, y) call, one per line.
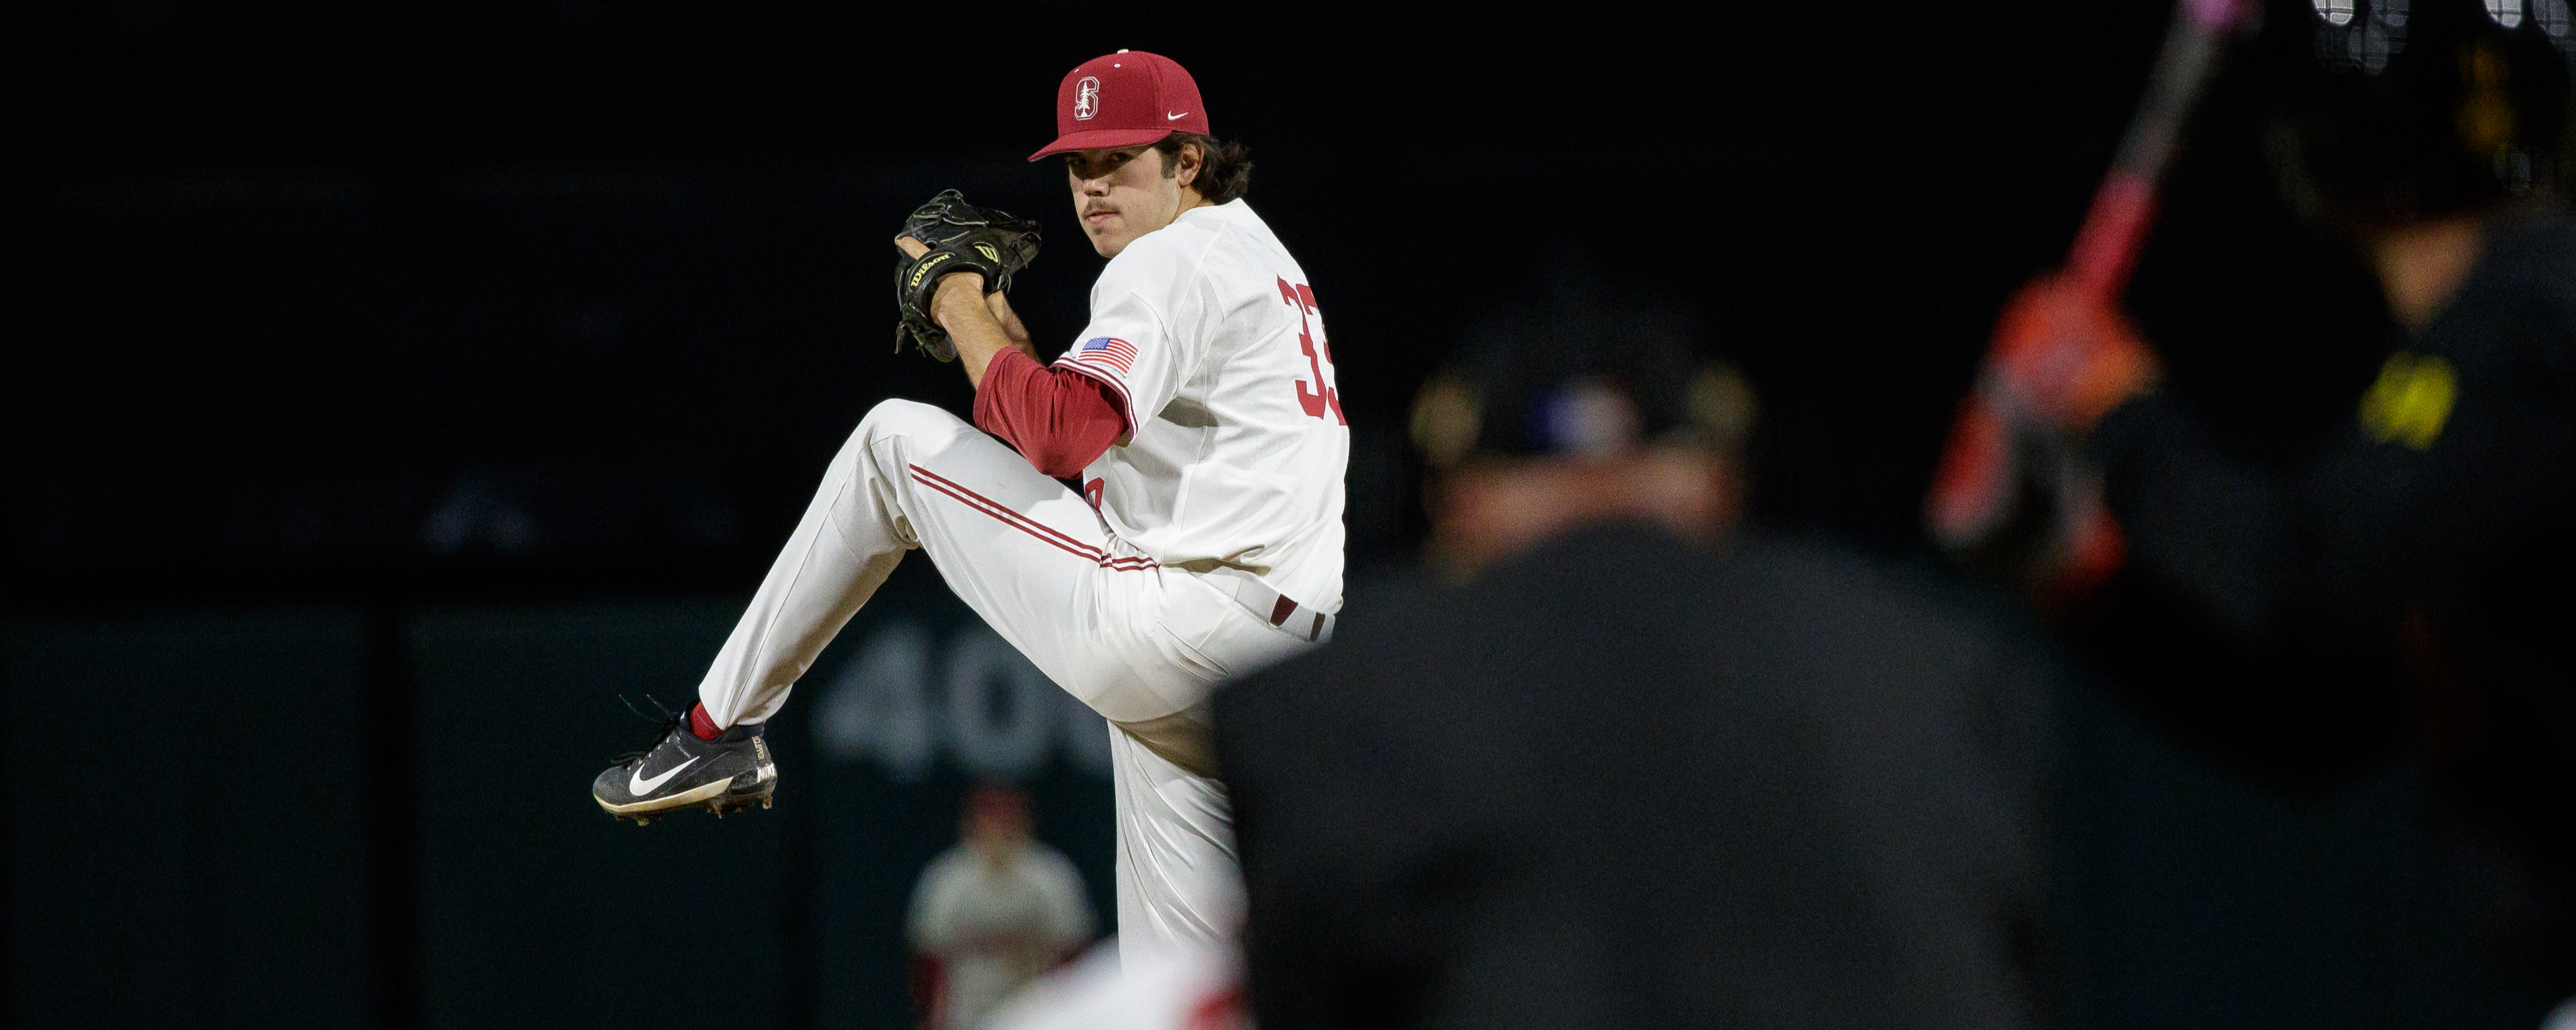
point(1124, 99)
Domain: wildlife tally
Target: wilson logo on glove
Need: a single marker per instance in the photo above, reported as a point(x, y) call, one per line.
point(961, 238)
point(927, 263)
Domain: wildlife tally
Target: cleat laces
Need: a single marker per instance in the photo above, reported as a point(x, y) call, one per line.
point(669, 721)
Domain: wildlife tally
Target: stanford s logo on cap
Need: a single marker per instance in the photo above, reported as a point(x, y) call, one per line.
point(1086, 98)
point(1127, 99)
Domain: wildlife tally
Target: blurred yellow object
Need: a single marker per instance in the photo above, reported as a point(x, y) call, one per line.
point(1446, 418)
point(2411, 400)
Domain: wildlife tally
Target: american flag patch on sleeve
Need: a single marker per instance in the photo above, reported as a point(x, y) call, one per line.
point(1105, 350)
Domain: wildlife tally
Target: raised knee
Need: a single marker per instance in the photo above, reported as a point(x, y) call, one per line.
point(893, 418)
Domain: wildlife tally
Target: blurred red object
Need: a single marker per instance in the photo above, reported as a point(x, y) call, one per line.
point(2013, 486)
point(927, 984)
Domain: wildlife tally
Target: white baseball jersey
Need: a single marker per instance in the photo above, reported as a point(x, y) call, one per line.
point(995, 926)
point(1129, 596)
point(1208, 331)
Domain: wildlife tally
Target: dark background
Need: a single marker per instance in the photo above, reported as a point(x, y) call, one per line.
point(390, 387)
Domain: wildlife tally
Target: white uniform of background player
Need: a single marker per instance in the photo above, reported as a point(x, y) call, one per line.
point(1216, 544)
point(995, 912)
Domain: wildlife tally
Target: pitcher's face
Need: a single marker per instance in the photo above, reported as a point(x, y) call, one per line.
point(1123, 193)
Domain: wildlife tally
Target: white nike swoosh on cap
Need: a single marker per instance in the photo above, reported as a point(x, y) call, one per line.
point(639, 786)
point(1176, 117)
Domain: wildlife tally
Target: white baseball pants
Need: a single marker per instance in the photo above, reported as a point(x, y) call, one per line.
point(1134, 640)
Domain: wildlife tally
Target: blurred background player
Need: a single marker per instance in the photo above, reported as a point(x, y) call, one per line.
point(2402, 589)
point(1607, 764)
point(994, 912)
point(1200, 411)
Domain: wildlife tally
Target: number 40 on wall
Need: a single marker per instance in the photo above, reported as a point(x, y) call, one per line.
point(906, 703)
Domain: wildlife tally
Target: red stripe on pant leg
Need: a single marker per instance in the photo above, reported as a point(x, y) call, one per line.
point(989, 507)
point(999, 509)
point(1093, 556)
point(1077, 549)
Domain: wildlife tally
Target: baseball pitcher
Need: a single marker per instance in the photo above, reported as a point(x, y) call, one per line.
point(1198, 410)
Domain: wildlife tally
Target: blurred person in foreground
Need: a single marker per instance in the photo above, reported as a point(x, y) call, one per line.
point(1609, 763)
point(2404, 591)
point(994, 912)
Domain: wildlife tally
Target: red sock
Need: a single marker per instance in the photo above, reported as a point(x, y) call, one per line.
point(704, 727)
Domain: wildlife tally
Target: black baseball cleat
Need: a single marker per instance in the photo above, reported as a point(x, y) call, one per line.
point(680, 771)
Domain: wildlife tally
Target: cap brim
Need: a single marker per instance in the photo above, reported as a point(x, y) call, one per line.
point(1100, 139)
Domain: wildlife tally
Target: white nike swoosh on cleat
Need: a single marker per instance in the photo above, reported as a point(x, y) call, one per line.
point(1176, 117)
point(638, 786)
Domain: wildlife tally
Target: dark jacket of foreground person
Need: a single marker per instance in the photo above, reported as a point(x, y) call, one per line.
point(1628, 781)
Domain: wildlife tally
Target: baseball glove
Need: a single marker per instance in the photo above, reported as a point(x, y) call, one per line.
point(962, 238)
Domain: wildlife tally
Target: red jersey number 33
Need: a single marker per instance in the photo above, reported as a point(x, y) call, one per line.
point(1318, 397)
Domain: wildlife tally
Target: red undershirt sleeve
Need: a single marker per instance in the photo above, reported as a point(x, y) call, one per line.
point(1059, 420)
